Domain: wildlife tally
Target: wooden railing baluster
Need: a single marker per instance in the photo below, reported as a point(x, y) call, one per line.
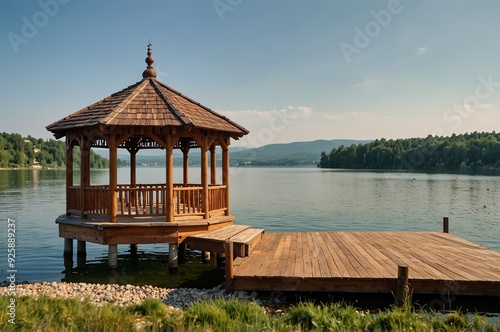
point(147, 200)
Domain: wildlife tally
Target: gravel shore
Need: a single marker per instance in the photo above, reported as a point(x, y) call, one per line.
point(175, 298)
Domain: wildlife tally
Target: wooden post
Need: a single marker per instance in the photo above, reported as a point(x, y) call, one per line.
point(228, 252)
point(185, 146)
point(69, 171)
point(133, 168)
point(113, 178)
point(81, 261)
point(225, 176)
point(221, 258)
point(81, 248)
point(213, 165)
point(112, 256)
point(173, 258)
point(205, 256)
point(446, 225)
point(133, 248)
point(68, 247)
point(182, 253)
point(169, 159)
point(185, 166)
point(84, 173)
point(133, 178)
point(204, 181)
point(68, 265)
point(402, 288)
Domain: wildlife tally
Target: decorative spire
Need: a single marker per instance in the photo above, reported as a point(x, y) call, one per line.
point(149, 72)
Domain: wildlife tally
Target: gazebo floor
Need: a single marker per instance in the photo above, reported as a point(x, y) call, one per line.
point(136, 230)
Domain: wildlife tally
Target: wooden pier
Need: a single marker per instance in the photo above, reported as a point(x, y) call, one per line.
point(151, 115)
point(367, 262)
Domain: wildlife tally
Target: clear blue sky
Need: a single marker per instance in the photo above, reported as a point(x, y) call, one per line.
point(287, 70)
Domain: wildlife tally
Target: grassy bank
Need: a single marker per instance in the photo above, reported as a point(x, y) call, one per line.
point(49, 314)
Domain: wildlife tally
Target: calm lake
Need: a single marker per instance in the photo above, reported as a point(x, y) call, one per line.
point(277, 199)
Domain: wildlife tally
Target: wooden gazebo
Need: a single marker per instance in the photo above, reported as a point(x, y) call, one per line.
point(145, 115)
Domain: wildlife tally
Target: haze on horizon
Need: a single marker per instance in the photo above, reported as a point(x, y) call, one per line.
point(286, 70)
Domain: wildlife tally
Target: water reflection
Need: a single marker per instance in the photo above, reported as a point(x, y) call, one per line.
point(277, 199)
point(145, 268)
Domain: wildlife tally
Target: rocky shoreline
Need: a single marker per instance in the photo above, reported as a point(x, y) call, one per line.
point(100, 294)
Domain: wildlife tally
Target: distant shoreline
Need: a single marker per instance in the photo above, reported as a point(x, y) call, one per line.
point(28, 168)
point(466, 171)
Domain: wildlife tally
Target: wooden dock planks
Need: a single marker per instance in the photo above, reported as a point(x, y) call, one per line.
point(367, 262)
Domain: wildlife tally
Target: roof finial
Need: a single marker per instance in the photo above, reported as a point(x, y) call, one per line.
point(149, 72)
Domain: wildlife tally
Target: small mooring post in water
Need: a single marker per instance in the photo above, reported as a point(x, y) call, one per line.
point(402, 288)
point(173, 258)
point(112, 256)
point(220, 259)
point(81, 248)
point(182, 253)
point(446, 225)
point(81, 253)
point(81, 261)
point(229, 255)
point(68, 265)
point(68, 248)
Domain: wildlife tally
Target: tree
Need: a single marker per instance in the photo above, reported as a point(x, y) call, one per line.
point(17, 151)
point(433, 152)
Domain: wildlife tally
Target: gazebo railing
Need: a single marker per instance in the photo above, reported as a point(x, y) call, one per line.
point(188, 201)
point(73, 200)
point(217, 202)
point(96, 200)
point(147, 200)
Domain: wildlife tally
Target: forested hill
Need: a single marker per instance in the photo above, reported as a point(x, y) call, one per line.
point(287, 154)
point(19, 152)
point(475, 150)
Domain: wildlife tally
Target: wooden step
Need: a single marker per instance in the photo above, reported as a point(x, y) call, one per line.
point(213, 241)
point(247, 240)
point(244, 239)
point(221, 234)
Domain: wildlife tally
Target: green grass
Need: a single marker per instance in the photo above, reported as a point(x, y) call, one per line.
point(48, 314)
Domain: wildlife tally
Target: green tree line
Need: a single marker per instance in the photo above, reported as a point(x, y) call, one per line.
point(474, 150)
point(21, 152)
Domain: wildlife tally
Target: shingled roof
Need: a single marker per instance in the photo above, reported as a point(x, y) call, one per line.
point(147, 103)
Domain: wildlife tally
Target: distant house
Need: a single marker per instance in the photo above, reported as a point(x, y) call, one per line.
point(36, 164)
